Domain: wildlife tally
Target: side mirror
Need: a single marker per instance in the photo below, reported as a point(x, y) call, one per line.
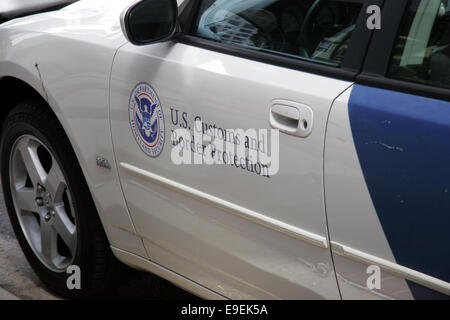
point(150, 21)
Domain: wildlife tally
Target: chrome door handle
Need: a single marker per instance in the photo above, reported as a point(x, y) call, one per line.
point(291, 118)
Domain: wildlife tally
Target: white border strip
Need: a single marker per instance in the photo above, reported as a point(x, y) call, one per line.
point(229, 207)
point(392, 268)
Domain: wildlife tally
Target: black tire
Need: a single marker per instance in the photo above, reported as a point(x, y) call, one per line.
point(93, 255)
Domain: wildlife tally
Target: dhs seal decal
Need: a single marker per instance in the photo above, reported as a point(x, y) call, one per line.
point(147, 120)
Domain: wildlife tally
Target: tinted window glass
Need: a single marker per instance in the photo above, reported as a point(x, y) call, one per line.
point(318, 31)
point(151, 20)
point(422, 51)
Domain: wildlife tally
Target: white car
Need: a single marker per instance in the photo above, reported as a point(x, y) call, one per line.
point(103, 104)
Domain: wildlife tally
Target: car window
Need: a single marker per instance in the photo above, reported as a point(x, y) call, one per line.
point(422, 50)
point(317, 31)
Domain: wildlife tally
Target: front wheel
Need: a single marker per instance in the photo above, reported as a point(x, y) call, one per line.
point(50, 206)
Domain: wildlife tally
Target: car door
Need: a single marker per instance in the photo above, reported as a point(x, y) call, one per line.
point(240, 227)
point(387, 143)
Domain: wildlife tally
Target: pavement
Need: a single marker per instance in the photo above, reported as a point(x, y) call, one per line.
point(5, 295)
point(18, 281)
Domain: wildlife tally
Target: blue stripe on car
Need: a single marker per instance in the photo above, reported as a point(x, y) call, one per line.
point(403, 146)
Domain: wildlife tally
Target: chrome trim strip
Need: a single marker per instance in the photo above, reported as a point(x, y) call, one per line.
point(229, 207)
point(392, 268)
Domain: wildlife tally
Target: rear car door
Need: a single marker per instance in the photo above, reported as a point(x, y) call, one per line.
point(242, 228)
point(388, 143)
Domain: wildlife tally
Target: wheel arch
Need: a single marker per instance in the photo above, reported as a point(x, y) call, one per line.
point(118, 225)
point(13, 90)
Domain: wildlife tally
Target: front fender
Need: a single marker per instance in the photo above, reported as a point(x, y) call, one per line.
point(72, 75)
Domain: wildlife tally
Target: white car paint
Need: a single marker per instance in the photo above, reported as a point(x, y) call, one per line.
point(352, 219)
point(182, 232)
point(72, 53)
point(215, 231)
